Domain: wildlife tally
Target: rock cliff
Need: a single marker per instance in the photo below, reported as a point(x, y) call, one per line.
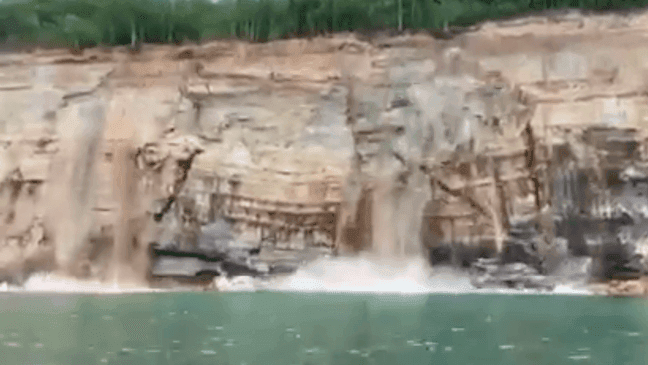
point(343, 142)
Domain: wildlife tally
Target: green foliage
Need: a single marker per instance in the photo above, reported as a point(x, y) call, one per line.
point(82, 23)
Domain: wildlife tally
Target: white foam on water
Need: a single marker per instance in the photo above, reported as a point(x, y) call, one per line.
point(335, 275)
point(366, 275)
point(412, 276)
point(352, 275)
point(571, 289)
point(562, 289)
point(236, 284)
point(50, 282)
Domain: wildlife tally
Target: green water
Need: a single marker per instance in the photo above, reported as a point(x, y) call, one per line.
point(298, 328)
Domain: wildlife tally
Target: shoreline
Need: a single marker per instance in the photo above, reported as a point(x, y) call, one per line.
point(259, 286)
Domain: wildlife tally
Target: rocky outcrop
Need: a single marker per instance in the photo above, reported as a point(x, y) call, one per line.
point(631, 288)
point(164, 166)
point(26, 166)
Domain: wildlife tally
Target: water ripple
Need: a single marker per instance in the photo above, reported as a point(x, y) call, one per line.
point(314, 351)
point(414, 343)
point(579, 357)
point(229, 343)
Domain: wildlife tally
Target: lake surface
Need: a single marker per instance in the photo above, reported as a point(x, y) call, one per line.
point(304, 328)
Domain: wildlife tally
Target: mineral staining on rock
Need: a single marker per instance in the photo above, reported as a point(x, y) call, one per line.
point(260, 157)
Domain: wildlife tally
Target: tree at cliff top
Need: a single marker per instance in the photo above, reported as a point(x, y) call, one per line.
point(119, 22)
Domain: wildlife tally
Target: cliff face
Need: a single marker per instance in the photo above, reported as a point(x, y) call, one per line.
point(323, 141)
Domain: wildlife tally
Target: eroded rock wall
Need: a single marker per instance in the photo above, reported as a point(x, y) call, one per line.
point(305, 140)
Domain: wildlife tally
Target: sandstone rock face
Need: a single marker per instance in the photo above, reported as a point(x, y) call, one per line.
point(305, 142)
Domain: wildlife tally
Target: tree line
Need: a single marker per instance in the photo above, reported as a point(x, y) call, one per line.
point(86, 23)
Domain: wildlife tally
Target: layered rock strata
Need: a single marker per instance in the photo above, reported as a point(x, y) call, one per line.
point(384, 144)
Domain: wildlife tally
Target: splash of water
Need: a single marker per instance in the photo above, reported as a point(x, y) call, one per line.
point(50, 282)
point(341, 275)
point(237, 284)
point(572, 289)
point(371, 274)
